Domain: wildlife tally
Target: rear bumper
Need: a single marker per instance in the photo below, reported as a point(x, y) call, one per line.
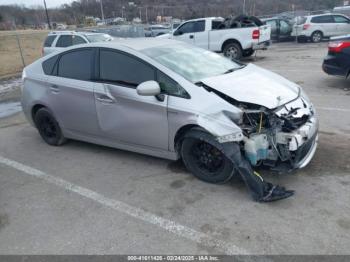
point(262, 45)
point(333, 66)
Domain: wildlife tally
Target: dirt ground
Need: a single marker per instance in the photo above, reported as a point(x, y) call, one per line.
point(31, 42)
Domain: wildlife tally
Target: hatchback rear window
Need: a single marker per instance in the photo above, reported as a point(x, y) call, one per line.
point(49, 40)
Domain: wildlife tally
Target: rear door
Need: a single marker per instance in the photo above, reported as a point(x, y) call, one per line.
point(343, 24)
point(70, 91)
point(185, 32)
point(123, 115)
point(325, 24)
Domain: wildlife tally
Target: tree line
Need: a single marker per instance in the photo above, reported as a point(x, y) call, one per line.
point(148, 10)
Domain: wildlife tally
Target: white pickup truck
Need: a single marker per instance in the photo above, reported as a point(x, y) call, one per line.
point(234, 43)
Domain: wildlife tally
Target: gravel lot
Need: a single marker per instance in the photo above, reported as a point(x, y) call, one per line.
point(89, 199)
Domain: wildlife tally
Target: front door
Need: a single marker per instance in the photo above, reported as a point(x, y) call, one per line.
point(185, 33)
point(123, 115)
point(343, 25)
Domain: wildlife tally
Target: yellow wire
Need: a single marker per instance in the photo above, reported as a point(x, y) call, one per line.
point(258, 175)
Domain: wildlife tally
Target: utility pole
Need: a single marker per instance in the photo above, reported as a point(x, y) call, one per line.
point(102, 15)
point(244, 7)
point(146, 15)
point(47, 16)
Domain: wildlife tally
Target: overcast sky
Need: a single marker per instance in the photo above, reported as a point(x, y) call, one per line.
point(49, 3)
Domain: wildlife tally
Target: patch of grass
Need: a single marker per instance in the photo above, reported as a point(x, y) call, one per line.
point(31, 42)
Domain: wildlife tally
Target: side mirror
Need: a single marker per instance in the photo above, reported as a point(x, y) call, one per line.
point(178, 32)
point(148, 88)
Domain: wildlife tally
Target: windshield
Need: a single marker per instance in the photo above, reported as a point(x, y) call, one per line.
point(98, 38)
point(191, 62)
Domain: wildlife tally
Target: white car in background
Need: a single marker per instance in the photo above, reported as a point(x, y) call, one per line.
point(317, 27)
point(58, 40)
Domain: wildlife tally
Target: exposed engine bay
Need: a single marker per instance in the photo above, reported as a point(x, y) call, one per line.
point(283, 138)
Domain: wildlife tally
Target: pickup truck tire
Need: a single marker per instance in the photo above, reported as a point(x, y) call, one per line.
point(248, 53)
point(201, 156)
point(233, 51)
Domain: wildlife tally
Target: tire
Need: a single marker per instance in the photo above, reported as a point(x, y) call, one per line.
point(48, 128)
point(248, 53)
point(316, 37)
point(301, 40)
point(233, 51)
point(201, 156)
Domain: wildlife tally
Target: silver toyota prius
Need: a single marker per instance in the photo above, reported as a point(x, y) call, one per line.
point(171, 100)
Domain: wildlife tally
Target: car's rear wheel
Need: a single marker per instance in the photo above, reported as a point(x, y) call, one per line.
point(233, 51)
point(201, 156)
point(48, 128)
point(316, 37)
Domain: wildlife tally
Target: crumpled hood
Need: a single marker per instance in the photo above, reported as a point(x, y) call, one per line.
point(255, 85)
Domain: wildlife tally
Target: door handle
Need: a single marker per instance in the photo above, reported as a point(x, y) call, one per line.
point(54, 89)
point(105, 99)
point(191, 36)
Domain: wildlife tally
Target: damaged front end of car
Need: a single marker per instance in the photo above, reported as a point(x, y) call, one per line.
point(284, 138)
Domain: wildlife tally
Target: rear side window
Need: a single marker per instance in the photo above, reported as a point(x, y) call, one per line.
point(322, 19)
point(64, 41)
point(49, 64)
point(77, 40)
point(76, 64)
point(123, 69)
point(49, 40)
point(341, 19)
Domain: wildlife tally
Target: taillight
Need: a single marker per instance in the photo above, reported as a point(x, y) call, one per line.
point(306, 26)
point(42, 51)
point(256, 34)
point(337, 47)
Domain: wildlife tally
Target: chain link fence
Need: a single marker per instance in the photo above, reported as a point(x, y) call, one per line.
point(22, 47)
point(18, 49)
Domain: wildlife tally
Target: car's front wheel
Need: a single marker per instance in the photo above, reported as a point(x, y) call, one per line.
point(48, 127)
point(202, 157)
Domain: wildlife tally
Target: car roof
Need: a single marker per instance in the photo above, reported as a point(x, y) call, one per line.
point(137, 44)
point(311, 16)
point(74, 33)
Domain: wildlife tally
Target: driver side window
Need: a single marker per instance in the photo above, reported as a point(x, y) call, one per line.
point(186, 28)
point(170, 87)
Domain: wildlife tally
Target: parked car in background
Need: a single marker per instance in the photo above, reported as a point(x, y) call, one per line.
point(345, 10)
point(337, 61)
point(156, 30)
point(212, 34)
point(172, 100)
point(58, 40)
point(317, 27)
point(281, 29)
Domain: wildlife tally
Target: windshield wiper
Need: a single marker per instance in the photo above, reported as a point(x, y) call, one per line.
point(233, 69)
